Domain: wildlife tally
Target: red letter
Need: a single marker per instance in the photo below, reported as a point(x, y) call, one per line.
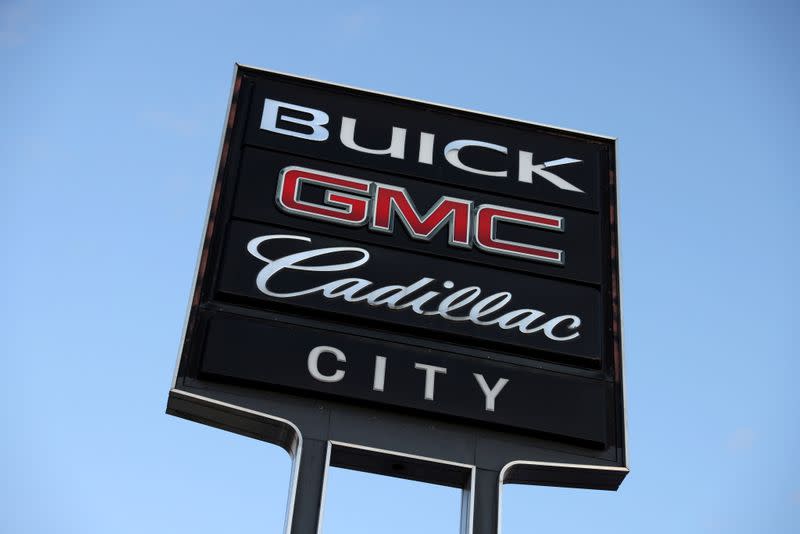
point(454, 212)
point(341, 208)
point(485, 233)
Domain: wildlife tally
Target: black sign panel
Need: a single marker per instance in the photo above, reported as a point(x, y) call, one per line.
point(260, 171)
point(406, 291)
point(502, 159)
point(368, 251)
point(557, 404)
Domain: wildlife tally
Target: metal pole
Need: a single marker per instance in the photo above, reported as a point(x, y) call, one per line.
point(486, 502)
point(309, 488)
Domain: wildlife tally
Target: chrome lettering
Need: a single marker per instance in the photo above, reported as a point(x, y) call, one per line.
point(393, 296)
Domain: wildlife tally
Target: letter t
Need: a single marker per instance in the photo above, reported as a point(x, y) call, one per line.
point(430, 376)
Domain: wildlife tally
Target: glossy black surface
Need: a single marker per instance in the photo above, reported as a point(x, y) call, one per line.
point(564, 398)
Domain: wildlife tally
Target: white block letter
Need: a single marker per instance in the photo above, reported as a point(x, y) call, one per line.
point(269, 120)
point(396, 149)
point(451, 155)
point(380, 373)
point(491, 394)
point(430, 376)
point(313, 367)
point(426, 148)
point(527, 169)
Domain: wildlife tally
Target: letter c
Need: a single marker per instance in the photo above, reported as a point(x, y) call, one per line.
point(313, 359)
point(451, 155)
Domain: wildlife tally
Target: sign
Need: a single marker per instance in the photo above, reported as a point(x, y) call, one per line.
point(390, 262)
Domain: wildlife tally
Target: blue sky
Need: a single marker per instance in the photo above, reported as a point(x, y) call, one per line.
point(111, 117)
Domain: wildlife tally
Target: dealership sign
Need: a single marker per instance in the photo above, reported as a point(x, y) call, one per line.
point(422, 289)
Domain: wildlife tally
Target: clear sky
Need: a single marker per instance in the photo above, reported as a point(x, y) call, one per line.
point(110, 119)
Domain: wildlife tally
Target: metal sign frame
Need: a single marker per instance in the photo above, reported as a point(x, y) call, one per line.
point(323, 432)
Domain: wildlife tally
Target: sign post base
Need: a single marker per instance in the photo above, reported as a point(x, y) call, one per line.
point(315, 447)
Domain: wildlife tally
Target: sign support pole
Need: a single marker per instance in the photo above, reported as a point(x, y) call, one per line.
point(480, 502)
point(486, 502)
point(305, 507)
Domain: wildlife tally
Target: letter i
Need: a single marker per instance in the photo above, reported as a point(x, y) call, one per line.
point(426, 148)
point(380, 373)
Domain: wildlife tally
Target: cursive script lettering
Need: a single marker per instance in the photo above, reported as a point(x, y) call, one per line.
point(401, 297)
